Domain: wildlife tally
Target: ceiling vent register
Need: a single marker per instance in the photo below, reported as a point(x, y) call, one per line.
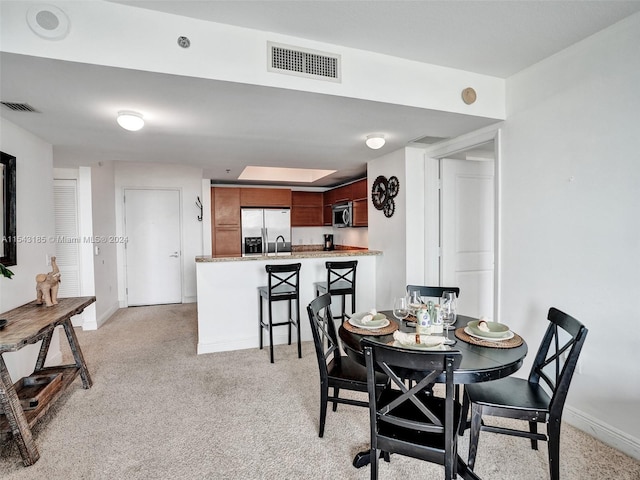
point(19, 107)
point(303, 62)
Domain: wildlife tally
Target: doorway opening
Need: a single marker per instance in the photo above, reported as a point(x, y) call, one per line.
point(465, 251)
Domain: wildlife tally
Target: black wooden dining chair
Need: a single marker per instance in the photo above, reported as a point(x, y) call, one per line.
point(283, 284)
point(341, 281)
point(337, 371)
point(409, 420)
point(435, 292)
point(531, 400)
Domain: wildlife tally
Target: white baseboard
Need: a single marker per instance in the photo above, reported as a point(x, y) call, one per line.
point(245, 343)
point(103, 318)
point(605, 433)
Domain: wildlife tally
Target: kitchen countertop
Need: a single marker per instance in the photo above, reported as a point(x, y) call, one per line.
point(289, 255)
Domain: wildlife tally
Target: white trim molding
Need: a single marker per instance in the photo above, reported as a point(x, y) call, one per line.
point(605, 433)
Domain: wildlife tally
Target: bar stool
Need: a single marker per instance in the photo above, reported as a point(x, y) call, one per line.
point(341, 280)
point(283, 284)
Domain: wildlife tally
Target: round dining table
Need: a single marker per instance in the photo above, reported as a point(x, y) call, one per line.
point(479, 364)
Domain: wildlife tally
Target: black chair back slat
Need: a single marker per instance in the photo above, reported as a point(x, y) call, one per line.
point(336, 370)
point(539, 399)
point(283, 282)
point(435, 292)
point(411, 420)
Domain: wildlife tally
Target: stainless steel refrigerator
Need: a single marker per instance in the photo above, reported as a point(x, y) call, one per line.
point(261, 227)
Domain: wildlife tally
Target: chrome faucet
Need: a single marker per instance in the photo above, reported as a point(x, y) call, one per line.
point(278, 238)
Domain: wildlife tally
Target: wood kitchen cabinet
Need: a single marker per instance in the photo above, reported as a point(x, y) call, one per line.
point(357, 193)
point(306, 209)
point(360, 213)
point(265, 197)
point(343, 194)
point(225, 221)
point(359, 190)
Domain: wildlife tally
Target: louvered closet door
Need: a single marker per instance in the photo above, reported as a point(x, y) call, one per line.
point(67, 252)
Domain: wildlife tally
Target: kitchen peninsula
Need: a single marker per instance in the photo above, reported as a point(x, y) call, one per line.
point(227, 288)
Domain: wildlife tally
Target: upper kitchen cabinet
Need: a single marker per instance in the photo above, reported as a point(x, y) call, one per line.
point(343, 194)
point(359, 190)
point(306, 209)
point(354, 192)
point(265, 197)
point(359, 193)
point(225, 206)
point(225, 221)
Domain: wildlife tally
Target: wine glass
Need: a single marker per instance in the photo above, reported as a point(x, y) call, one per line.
point(414, 302)
point(400, 310)
point(448, 311)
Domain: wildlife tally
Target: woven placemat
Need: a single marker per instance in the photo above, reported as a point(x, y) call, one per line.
point(514, 342)
point(392, 327)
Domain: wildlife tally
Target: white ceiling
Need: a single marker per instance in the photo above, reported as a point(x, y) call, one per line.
point(265, 126)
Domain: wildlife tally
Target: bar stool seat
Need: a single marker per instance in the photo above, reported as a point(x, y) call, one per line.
point(341, 281)
point(283, 284)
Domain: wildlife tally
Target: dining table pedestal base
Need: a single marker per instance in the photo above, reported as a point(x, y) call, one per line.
point(362, 459)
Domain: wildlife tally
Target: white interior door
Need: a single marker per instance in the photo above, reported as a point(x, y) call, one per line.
point(467, 226)
point(153, 249)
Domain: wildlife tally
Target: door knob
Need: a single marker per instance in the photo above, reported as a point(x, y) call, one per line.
point(175, 254)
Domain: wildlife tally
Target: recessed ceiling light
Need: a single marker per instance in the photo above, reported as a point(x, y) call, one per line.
point(375, 141)
point(131, 121)
point(276, 174)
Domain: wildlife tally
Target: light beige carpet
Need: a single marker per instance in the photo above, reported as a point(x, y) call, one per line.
point(159, 411)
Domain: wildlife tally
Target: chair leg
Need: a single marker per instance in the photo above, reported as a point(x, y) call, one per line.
point(336, 393)
point(324, 398)
point(474, 434)
point(270, 332)
point(373, 458)
point(260, 319)
point(553, 434)
point(298, 327)
point(464, 414)
point(344, 299)
point(290, 319)
point(533, 428)
point(353, 302)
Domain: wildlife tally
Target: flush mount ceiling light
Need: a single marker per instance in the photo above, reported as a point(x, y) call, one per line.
point(375, 141)
point(131, 121)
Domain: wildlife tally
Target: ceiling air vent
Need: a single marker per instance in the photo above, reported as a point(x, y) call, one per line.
point(19, 107)
point(303, 62)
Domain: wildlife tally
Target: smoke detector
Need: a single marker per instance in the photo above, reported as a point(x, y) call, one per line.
point(48, 21)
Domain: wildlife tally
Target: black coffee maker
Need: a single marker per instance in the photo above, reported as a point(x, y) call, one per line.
point(328, 242)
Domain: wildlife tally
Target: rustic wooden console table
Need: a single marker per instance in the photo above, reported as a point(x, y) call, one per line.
point(26, 325)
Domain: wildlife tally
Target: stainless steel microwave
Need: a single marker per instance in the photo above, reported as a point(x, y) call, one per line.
point(342, 214)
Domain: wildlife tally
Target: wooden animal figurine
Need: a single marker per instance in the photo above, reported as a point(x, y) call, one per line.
point(47, 285)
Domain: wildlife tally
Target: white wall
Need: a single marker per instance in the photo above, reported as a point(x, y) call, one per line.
point(104, 226)
point(570, 181)
point(189, 181)
point(389, 235)
point(35, 226)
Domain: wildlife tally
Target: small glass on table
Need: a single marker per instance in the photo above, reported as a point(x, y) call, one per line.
point(448, 312)
point(415, 302)
point(400, 309)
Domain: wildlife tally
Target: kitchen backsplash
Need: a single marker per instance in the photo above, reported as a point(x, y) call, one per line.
point(354, 237)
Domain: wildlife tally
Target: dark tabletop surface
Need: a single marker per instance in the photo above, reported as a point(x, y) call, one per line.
point(479, 364)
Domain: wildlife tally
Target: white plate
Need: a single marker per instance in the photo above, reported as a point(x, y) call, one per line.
point(509, 336)
point(356, 321)
point(420, 346)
